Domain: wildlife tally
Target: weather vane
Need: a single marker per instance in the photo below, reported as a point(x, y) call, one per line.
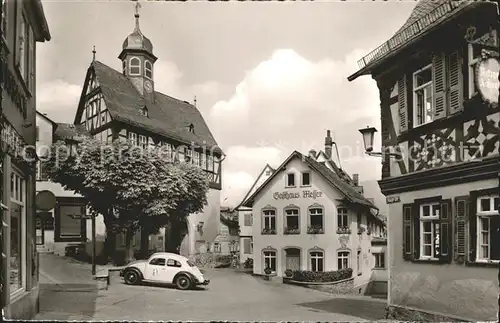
point(137, 7)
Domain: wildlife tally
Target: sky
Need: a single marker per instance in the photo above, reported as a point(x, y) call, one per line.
point(269, 78)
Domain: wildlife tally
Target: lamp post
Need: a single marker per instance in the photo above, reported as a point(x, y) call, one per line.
point(368, 134)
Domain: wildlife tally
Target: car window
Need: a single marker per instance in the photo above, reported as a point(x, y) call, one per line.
point(173, 263)
point(191, 264)
point(157, 262)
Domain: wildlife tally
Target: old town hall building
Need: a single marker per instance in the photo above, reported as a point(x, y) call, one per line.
point(124, 104)
point(438, 83)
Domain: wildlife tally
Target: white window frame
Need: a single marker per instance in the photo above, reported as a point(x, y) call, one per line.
point(379, 259)
point(429, 84)
point(14, 198)
point(359, 262)
point(131, 65)
point(143, 141)
point(433, 219)
point(148, 69)
point(343, 215)
point(38, 170)
point(315, 256)
point(292, 212)
point(485, 215)
point(294, 180)
point(217, 247)
point(343, 255)
point(270, 254)
point(267, 215)
point(322, 213)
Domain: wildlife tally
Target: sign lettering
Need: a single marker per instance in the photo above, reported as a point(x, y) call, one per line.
point(487, 79)
point(296, 195)
point(392, 199)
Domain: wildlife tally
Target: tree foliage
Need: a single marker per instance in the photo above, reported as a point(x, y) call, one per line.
point(130, 186)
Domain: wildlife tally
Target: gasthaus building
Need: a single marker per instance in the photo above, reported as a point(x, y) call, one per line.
point(23, 24)
point(308, 215)
point(438, 82)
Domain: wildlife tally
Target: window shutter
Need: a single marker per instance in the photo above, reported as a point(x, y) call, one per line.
point(461, 216)
point(246, 246)
point(439, 85)
point(455, 95)
point(416, 231)
point(472, 230)
point(402, 105)
point(407, 232)
point(446, 230)
point(19, 34)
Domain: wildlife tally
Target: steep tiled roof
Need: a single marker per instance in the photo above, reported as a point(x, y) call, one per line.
point(167, 116)
point(341, 185)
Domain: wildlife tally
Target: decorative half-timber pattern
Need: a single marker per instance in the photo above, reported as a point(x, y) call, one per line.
point(482, 137)
point(434, 149)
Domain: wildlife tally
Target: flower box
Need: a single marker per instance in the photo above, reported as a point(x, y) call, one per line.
point(315, 230)
point(268, 231)
point(361, 230)
point(291, 231)
point(343, 230)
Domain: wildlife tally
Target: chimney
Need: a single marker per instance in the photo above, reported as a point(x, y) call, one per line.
point(355, 179)
point(328, 145)
point(312, 153)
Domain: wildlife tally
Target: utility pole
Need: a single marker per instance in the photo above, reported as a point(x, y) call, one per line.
point(93, 246)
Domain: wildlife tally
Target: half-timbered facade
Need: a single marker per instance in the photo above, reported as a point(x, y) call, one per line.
point(443, 187)
point(123, 104)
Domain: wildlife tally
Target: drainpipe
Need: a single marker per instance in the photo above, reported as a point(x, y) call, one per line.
point(498, 206)
point(2, 264)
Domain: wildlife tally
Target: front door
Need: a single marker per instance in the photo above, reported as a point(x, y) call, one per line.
point(293, 259)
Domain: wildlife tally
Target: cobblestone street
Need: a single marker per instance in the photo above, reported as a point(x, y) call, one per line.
point(69, 293)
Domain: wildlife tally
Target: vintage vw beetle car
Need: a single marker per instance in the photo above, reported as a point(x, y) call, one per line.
point(165, 268)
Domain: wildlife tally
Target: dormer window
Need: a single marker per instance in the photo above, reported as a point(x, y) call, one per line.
point(148, 69)
point(144, 111)
point(135, 66)
point(191, 128)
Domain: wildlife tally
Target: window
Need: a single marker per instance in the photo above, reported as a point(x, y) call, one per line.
point(4, 18)
point(248, 219)
point(23, 47)
point(148, 69)
point(342, 219)
point(423, 96)
point(358, 262)
point(133, 138)
point(306, 179)
point(270, 260)
point(158, 261)
point(37, 133)
point(196, 158)
point(217, 248)
point(143, 141)
point(269, 222)
point(488, 228)
point(342, 260)
point(315, 221)
point(70, 221)
point(17, 227)
point(317, 260)
point(290, 180)
point(292, 221)
point(173, 263)
point(268, 172)
point(429, 228)
point(135, 66)
point(379, 260)
point(124, 67)
point(247, 246)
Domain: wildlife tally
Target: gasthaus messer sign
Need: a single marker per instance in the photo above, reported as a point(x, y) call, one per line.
point(487, 79)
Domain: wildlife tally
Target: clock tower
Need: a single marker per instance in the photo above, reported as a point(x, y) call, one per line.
point(138, 60)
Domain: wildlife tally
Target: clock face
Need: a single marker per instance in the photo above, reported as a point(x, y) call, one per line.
point(148, 86)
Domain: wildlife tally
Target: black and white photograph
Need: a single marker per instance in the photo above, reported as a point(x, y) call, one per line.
point(250, 160)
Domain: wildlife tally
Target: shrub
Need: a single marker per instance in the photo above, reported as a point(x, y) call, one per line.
point(223, 258)
point(268, 271)
point(288, 273)
point(248, 263)
point(119, 257)
point(321, 277)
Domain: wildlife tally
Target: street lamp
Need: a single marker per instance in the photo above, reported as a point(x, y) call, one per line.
point(368, 134)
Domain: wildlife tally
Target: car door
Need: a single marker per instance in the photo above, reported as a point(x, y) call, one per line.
point(155, 269)
point(173, 267)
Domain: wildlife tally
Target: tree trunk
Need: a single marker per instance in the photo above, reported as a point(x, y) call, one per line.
point(129, 250)
point(172, 237)
point(110, 239)
point(144, 252)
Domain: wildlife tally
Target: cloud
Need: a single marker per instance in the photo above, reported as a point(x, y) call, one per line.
point(59, 99)
point(287, 103)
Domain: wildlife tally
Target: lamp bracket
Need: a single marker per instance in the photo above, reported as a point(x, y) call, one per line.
point(379, 154)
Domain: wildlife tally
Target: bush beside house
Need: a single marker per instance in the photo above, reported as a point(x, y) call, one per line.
point(321, 277)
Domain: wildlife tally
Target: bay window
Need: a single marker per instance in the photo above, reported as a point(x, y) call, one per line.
point(423, 96)
point(17, 227)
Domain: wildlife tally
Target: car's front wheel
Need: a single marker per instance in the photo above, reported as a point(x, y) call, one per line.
point(131, 278)
point(183, 282)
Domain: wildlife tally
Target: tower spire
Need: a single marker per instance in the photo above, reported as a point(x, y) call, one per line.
point(93, 54)
point(136, 15)
point(195, 101)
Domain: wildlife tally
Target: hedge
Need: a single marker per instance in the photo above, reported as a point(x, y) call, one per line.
point(321, 277)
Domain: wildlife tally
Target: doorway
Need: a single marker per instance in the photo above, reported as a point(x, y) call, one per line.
point(292, 258)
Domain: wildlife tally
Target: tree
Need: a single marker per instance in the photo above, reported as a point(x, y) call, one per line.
point(130, 186)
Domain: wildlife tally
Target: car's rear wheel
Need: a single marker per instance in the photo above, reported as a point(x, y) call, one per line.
point(183, 282)
point(131, 277)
